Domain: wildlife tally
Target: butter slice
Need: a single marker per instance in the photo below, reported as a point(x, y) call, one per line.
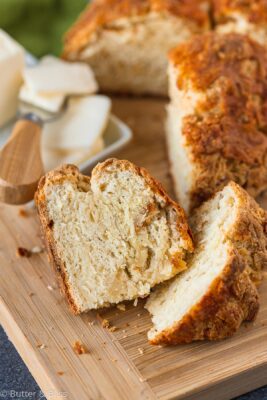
point(11, 69)
point(54, 76)
point(51, 103)
point(78, 128)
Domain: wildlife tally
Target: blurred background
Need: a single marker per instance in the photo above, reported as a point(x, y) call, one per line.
point(39, 24)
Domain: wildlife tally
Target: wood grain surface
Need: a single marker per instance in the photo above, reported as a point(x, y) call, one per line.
point(119, 364)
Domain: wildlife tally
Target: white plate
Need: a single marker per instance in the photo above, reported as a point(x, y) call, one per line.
point(116, 135)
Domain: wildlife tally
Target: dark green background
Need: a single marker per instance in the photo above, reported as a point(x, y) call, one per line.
point(39, 24)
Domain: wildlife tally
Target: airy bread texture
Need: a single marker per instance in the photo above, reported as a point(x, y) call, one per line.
point(112, 237)
point(242, 16)
point(126, 41)
point(217, 121)
point(217, 292)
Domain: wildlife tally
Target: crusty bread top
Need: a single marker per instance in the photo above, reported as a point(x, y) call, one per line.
point(231, 119)
point(206, 58)
point(254, 10)
point(101, 13)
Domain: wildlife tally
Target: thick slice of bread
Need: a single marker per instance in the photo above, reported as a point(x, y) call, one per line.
point(126, 41)
point(112, 237)
point(217, 120)
point(242, 16)
point(217, 292)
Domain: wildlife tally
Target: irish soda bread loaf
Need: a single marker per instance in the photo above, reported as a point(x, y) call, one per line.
point(112, 237)
point(217, 292)
point(126, 41)
point(217, 119)
point(247, 17)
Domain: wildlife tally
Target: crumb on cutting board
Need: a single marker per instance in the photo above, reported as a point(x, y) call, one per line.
point(106, 324)
point(37, 250)
point(121, 307)
point(23, 252)
point(41, 346)
point(79, 348)
point(23, 213)
point(142, 379)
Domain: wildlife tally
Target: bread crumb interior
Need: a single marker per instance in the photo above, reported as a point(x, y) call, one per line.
point(169, 304)
point(116, 237)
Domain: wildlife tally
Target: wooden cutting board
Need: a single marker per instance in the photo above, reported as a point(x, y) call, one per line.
point(119, 364)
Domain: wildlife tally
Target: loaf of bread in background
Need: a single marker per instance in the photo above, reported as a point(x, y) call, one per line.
point(247, 17)
point(112, 237)
point(126, 41)
point(217, 292)
point(217, 120)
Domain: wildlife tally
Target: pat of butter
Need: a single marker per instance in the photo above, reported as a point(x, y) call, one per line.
point(51, 103)
point(54, 158)
point(11, 68)
point(79, 126)
point(54, 76)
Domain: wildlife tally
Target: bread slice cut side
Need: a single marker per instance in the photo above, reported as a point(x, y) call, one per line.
point(217, 292)
point(112, 237)
point(127, 45)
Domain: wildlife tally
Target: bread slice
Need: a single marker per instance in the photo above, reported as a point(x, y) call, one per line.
point(112, 237)
point(126, 41)
point(244, 17)
point(217, 121)
point(217, 292)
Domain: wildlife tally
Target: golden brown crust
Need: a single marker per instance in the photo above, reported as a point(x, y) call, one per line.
point(232, 298)
point(208, 57)
point(227, 134)
point(223, 150)
point(71, 173)
point(254, 10)
point(101, 13)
